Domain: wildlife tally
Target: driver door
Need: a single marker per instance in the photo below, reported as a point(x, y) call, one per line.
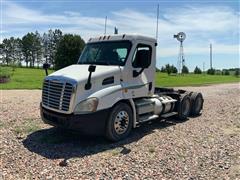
point(140, 76)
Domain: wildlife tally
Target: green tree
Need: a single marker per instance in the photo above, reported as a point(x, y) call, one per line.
point(185, 69)
point(163, 69)
point(1, 53)
point(168, 69)
point(45, 44)
point(32, 48)
point(8, 50)
point(211, 71)
point(237, 72)
point(18, 57)
point(11, 51)
point(173, 69)
point(50, 42)
point(27, 43)
point(68, 50)
point(197, 70)
point(226, 72)
point(38, 48)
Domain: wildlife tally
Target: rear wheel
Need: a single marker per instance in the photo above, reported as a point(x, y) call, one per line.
point(196, 103)
point(184, 107)
point(120, 122)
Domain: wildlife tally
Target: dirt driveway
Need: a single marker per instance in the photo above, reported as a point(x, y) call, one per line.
point(205, 147)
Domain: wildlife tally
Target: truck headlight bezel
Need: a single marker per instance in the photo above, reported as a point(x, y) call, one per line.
point(86, 106)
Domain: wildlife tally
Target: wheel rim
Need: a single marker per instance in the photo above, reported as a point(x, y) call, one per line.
point(186, 107)
point(121, 122)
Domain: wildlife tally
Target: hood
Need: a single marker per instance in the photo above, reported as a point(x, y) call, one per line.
point(79, 72)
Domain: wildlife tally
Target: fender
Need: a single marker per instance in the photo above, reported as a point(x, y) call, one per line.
point(109, 96)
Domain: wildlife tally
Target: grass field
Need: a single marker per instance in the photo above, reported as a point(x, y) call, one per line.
point(27, 78)
point(193, 79)
point(5, 72)
point(24, 78)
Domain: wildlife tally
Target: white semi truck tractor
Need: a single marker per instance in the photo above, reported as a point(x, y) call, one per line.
point(111, 90)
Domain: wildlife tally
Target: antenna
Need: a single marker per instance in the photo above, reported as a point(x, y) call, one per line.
point(157, 22)
point(105, 27)
point(181, 36)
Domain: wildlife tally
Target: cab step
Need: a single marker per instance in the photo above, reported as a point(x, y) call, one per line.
point(169, 114)
point(145, 118)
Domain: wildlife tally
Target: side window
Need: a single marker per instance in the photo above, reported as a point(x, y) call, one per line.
point(122, 53)
point(141, 51)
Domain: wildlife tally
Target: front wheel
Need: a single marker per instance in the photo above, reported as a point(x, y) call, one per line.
point(120, 122)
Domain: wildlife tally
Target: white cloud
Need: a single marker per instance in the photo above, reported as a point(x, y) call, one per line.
point(70, 13)
point(199, 50)
point(202, 25)
point(213, 19)
point(16, 14)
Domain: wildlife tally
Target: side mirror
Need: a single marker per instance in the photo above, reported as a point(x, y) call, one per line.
point(91, 68)
point(143, 60)
point(46, 66)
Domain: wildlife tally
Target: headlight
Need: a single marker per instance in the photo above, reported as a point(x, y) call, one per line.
point(87, 106)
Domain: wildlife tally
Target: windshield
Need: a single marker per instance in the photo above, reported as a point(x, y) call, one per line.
point(106, 53)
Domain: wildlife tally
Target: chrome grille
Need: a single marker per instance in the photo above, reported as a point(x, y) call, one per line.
point(57, 94)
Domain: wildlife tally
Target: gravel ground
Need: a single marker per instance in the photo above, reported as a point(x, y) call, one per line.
point(205, 147)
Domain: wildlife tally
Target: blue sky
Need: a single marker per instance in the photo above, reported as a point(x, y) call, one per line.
point(204, 22)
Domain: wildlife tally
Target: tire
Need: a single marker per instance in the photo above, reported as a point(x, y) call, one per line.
point(119, 123)
point(196, 103)
point(184, 107)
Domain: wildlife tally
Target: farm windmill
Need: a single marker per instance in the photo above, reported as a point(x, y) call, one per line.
point(181, 36)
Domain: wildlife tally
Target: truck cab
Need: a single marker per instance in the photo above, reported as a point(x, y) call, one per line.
point(111, 89)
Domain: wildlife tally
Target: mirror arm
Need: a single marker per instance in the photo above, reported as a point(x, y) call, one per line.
point(45, 67)
point(136, 74)
point(88, 85)
point(46, 71)
point(91, 69)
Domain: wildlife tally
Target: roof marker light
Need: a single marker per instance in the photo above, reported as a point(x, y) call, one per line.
point(108, 37)
point(123, 36)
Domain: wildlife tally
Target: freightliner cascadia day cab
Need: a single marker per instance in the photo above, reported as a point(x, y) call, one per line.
point(111, 90)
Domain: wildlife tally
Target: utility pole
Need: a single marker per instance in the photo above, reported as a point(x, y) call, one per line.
point(203, 67)
point(211, 56)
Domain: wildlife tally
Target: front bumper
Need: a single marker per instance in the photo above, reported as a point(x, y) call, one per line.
point(93, 123)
